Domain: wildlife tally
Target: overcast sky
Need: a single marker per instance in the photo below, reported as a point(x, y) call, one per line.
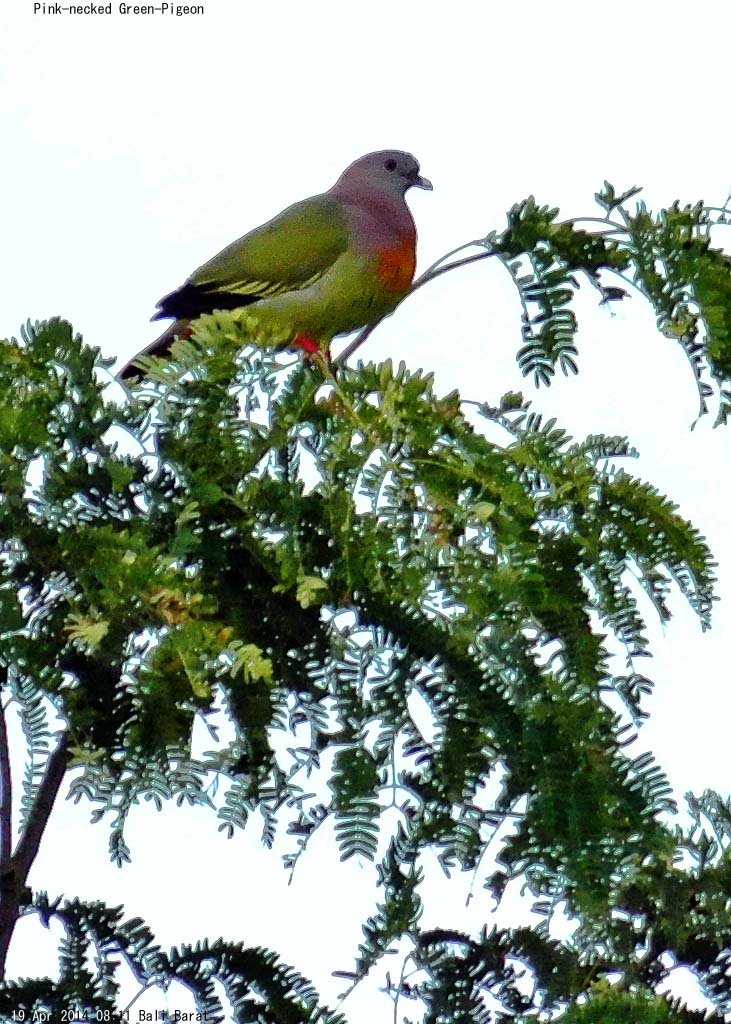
point(135, 147)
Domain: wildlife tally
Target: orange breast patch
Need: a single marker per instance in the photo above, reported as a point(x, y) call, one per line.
point(396, 266)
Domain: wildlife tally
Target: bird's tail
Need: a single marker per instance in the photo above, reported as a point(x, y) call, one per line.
point(159, 347)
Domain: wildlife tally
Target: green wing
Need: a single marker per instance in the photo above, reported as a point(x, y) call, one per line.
point(288, 253)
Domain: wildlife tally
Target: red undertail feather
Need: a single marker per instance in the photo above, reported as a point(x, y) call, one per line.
point(313, 350)
point(306, 344)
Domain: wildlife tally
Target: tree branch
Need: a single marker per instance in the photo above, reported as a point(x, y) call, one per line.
point(27, 848)
point(6, 818)
point(14, 870)
point(440, 267)
point(435, 270)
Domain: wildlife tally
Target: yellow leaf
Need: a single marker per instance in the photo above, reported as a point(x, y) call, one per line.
point(311, 590)
point(483, 510)
point(82, 756)
point(85, 630)
point(250, 659)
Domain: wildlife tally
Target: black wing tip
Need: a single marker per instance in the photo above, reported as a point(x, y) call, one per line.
point(129, 372)
point(159, 347)
point(192, 300)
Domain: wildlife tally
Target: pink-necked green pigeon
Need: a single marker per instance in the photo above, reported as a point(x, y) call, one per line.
point(324, 266)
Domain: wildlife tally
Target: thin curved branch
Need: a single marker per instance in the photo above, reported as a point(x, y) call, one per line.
point(435, 270)
point(430, 274)
point(440, 266)
point(615, 227)
point(477, 242)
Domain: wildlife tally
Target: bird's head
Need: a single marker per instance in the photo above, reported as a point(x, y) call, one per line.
point(388, 171)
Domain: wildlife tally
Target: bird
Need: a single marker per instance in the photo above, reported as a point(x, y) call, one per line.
point(325, 266)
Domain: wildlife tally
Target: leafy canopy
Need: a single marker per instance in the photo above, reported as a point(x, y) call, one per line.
point(430, 605)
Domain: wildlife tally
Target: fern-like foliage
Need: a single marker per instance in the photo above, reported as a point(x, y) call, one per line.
point(544, 257)
point(256, 984)
point(429, 616)
point(668, 256)
point(34, 714)
point(608, 1005)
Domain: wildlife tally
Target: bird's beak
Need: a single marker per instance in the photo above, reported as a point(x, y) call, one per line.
point(421, 182)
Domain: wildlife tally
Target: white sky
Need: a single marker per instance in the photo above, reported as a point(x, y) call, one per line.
point(134, 148)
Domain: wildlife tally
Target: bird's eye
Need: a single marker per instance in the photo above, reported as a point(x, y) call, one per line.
point(390, 165)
